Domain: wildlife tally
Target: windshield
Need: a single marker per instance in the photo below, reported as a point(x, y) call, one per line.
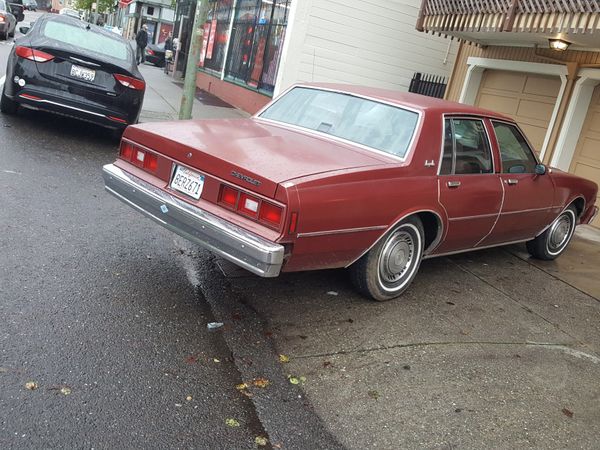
point(377, 125)
point(87, 39)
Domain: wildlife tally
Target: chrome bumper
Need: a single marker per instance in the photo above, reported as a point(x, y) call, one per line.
point(247, 250)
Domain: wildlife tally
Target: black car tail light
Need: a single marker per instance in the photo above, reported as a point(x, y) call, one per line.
point(33, 55)
point(130, 82)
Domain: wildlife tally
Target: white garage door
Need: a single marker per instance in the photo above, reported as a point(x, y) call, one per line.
point(528, 98)
point(586, 160)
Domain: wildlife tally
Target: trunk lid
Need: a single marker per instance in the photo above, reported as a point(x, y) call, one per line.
point(246, 151)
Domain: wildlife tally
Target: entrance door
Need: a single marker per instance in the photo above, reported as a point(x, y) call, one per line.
point(469, 190)
point(526, 97)
point(586, 160)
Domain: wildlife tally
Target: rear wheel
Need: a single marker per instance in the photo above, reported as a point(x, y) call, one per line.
point(8, 106)
point(552, 242)
point(387, 270)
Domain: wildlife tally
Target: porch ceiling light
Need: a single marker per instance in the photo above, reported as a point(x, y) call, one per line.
point(558, 44)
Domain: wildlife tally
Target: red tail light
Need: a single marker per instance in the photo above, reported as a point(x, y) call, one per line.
point(250, 206)
point(141, 158)
point(293, 223)
point(2, 19)
point(130, 82)
point(150, 52)
point(33, 55)
point(270, 213)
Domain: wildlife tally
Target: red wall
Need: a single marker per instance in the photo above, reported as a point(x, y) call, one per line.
point(242, 98)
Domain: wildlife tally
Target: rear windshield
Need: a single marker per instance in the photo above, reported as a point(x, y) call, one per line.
point(87, 39)
point(377, 125)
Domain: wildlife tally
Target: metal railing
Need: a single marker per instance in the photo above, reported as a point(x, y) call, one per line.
point(430, 85)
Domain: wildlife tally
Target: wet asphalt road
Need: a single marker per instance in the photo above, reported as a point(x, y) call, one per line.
point(96, 309)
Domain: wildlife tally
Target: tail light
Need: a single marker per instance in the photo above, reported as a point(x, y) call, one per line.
point(130, 82)
point(138, 156)
point(33, 55)
point(149, 52)
point(250, 206)
point(2, 19)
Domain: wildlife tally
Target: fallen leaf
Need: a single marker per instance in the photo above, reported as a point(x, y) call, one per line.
point(31, 385)
point(303, 380)
point(284, 359)
point(294, 380)
point(65, 390)
point(232, 423)
point(261, 441)
point(567, 412)
point(373, 394)
point(189, 398)
point(241, 386)
point(216, 360)
point(260, 382)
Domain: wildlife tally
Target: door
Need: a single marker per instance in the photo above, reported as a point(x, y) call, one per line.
point(528, 197)
point(469, 190)
point(526, 97)
point(586, 160)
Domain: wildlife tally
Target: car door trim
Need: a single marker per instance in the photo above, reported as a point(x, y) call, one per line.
point(342, 231)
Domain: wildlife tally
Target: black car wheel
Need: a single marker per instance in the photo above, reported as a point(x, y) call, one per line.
point(8, 106)
point(389, 267)
point(552, 242)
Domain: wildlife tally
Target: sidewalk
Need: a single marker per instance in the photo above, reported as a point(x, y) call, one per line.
point(163, 97)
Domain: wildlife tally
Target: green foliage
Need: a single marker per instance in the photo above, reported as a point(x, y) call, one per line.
point(103, 5)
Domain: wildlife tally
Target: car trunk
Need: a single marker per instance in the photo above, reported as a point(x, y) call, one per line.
point(250, 153)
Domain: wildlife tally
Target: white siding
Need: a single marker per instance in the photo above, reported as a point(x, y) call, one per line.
point(368, 42)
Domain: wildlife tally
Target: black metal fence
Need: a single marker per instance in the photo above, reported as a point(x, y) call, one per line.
point(430, 85)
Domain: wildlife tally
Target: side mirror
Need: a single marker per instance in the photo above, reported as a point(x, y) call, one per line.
point(540, 169)
point(24, 29)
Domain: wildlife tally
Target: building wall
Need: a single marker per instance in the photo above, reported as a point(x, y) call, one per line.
point(509, 53)
point(367, 42)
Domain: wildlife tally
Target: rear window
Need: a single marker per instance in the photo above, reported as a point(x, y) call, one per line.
point(3, 6)
point(377, 125)
point(86, 39)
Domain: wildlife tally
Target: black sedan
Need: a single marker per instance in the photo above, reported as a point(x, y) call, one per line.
point(66, 66)
point(155, 54)
point(8, 22)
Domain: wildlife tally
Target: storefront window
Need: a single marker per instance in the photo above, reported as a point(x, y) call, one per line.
point(216, 29)
point(256, 42)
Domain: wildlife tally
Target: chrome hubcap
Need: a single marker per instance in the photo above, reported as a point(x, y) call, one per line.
point(396, 257)
point(559, 233)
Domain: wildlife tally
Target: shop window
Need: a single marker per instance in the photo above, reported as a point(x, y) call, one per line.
point(256, 43)
point(216, 29)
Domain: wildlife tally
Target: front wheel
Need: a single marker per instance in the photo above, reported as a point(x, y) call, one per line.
point(552, 242)
point(387, 270)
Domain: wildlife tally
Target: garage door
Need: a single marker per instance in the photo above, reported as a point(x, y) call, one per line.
point(528, 98)
point(586, 161)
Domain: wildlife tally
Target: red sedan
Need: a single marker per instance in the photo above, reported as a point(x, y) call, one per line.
point(330, 176)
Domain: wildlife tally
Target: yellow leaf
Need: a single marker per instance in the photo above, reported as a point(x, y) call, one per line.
point(241, 386)
point(261, 441)
point(232, 423)
point(294, 380)
point(261, 382)
point(65, 390)
point(284, 359)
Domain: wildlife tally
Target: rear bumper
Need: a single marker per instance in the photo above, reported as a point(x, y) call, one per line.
point(247, 250)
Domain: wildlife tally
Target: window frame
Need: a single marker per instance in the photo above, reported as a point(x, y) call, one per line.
point(451, 117)
point(410, 147)
point(523, 135)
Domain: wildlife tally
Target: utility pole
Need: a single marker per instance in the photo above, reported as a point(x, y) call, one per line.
point(191, 69)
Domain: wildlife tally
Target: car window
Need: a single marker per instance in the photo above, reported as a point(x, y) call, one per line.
point(516, 155)
point(466, 148)
point(86, 39)
point(377, 125)
point(3, 6)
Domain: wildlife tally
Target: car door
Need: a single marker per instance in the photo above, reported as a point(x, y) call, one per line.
point(469, 190)
point(528, 197)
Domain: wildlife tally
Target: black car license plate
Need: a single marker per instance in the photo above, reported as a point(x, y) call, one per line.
point(83, 73)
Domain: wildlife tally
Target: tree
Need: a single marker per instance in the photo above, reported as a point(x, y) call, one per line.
point(103, 5)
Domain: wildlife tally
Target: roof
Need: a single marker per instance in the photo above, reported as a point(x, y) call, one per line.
point(418, 102)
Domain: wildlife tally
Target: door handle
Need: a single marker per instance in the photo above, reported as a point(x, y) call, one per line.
point(453, 184)
point(512, 181)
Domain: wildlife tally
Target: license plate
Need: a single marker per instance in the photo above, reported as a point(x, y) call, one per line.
point(83, 73)
point(187, 181)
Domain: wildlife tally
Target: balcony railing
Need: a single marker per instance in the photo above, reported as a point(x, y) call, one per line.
point(541, 16)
